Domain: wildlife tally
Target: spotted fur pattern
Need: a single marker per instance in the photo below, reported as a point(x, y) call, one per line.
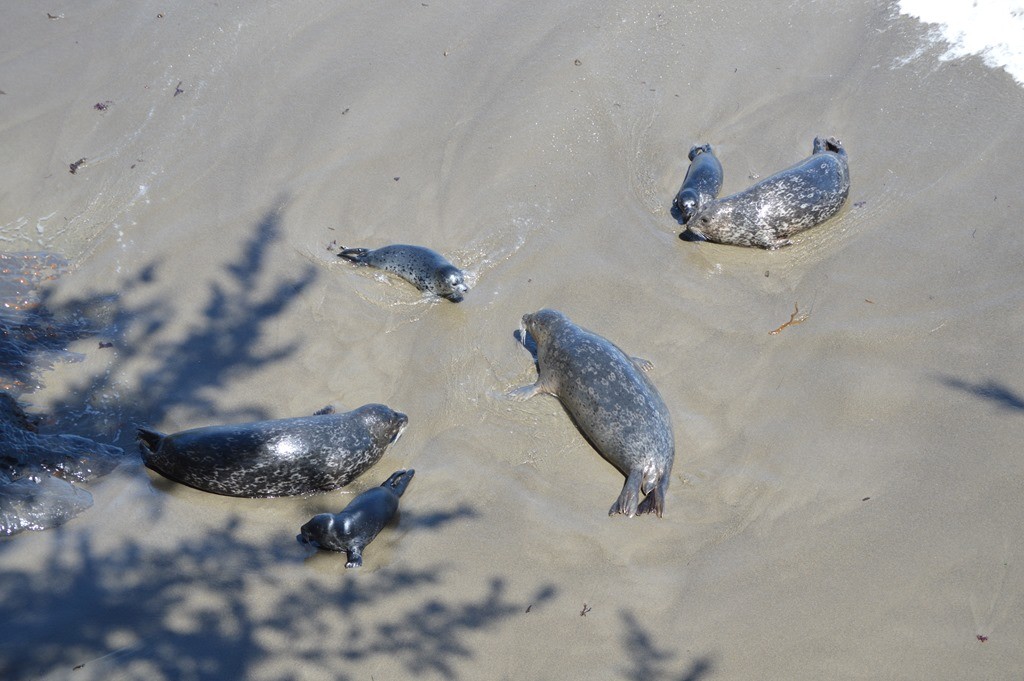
point(427, 270)
point(777, 207)
point(612, 402)
point(702, 183)
point(277, 458)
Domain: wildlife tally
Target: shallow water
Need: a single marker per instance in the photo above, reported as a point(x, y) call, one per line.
point(843, 503)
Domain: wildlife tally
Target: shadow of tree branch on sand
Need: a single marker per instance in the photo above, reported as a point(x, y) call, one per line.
point(216, 607)
point(32, 337)
point(649, 662)
point(225, 343)
point(990, 390)
point(197, 600)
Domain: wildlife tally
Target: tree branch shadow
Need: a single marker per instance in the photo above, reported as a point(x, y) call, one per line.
point(649, 662)
point(225, 343)
point(214, 606)
point(990, 390)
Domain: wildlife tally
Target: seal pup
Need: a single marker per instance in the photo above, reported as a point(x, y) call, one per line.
point(277, 458)
point(612, 402)
point(779, 206)
point(360, 522)
point(701, 185)
point(427, 270)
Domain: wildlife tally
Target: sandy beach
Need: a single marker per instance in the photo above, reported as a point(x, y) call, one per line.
point(845, 500)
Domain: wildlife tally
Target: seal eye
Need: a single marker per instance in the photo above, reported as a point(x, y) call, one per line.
point(705, 219)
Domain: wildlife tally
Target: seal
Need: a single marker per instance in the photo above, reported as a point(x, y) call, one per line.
point(277, 458)
point(777, 207)
point(701, 185)
point(427, 270)
point(612, 402)
point(360, 522)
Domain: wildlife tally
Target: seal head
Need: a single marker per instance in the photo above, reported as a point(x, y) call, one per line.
point(701, 185)
point(791, 201)
point(611, 401)
point(361, 521)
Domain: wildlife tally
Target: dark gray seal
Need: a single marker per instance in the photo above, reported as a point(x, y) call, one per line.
point(612, 402)
point(701, 185)
point(426, 269)
point(778, 207)
point(275, 458)
point(360, 522)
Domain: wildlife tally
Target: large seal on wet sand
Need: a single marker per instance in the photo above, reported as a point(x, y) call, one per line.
point(612, 402)
point(360, 522)
point(275, 458)
point(701, 185)
point(777, 207)
point(426, 269)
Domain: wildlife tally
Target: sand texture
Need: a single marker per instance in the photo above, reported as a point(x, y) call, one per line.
point(845, 501)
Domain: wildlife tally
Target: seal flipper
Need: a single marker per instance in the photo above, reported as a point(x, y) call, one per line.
point(324, 411)
point(630, 495)
point(698, 149)
point(655, 501)
point(525, 393)
point(644, 365)
point(356, 255)
point(355, 557)
point(150, 439)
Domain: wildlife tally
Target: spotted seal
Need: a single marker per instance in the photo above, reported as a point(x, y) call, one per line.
point(701, 185)
point(612, 402)
point(360, 522)
point(276, 458)
point(426, 269)
point(778, 207)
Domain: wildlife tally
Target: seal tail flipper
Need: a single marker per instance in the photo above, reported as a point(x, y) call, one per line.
point(150, 439)
point(828, 144)
point(699, 149)
point(626, 504)
point(399, 481)
point(356, 255)
point(655, 501)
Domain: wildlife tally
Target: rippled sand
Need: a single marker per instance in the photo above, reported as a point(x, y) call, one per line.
point(845, 497)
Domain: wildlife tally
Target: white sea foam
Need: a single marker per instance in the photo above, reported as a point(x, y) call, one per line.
point(993, 29)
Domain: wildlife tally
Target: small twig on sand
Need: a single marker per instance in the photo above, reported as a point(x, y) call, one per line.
point(793, 320)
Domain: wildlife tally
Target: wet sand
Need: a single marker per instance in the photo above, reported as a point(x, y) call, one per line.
point(844, 502)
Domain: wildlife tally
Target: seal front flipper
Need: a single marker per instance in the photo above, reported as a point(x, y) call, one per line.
point(769, 242)
point(356, 255)
point(355, 557)
point(525, 393)
point(644, 365)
